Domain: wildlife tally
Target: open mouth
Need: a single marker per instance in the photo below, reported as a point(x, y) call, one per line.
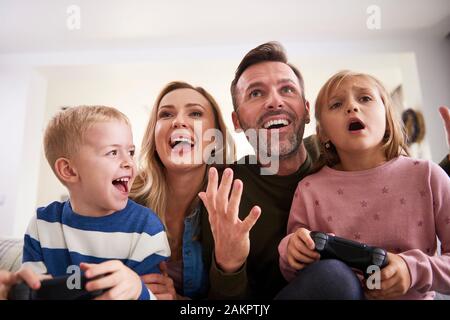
point(276, 124)
point(122, 183)
point(356, 125)
point(181, 142)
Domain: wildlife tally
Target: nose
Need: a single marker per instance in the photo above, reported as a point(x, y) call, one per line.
point(179, 122)
point(127, 162)
point(274, 101)
point(351, 109)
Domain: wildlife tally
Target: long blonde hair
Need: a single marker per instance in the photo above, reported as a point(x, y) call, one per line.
point(394, 140)
point(150, 187)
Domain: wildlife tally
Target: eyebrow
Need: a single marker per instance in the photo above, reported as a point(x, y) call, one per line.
point(187, 105)
point(119, 145)
point(261, 84)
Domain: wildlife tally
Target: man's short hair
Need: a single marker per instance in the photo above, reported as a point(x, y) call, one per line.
point(270, 51)
point(66, 130)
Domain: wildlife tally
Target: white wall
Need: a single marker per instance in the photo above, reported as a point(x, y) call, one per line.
point(130, 80)
point(22, 93)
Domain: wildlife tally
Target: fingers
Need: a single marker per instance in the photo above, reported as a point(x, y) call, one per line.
point(390, 270)
point(7, 278)
point(294, 263)
point(163, 268)
point(299, 256)
point(211, 189)
point(106, 282)
point(94, 270)
point(235, 199)
point(32, 279)
point(153, 278)
point(251, 219)
point(224, 191)
point(157, 288)
point(305, 236)
point(445, 114)
point(164, 296)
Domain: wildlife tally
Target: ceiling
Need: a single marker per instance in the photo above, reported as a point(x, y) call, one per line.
point(40, 26)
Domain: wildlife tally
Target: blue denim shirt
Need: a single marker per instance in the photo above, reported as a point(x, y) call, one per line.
point(195, 276)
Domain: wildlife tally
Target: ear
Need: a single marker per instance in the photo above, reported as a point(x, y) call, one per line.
point(236, 123)
point(65, 171)
point(307, 116)
point(321, 134)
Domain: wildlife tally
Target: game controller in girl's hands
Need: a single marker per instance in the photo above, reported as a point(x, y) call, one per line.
point(355, 254)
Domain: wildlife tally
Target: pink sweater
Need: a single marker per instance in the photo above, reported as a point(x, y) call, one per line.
point(401, 206)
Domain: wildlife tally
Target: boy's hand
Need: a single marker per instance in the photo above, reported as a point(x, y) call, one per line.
point(8, 279)
point(395, 279)
point(122, 282)
point(161, 285)
point(445, 114)
point(300, 250)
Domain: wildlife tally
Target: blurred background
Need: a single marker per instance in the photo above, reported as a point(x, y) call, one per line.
point(59, 53)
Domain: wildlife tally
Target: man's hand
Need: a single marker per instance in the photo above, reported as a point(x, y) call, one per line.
point(161, 285)
point(8, 279)
point(122, 282)
point(231, 234)
point(395, 279)
point(300, 250)
point(445, 114)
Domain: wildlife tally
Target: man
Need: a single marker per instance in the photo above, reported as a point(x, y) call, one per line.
point(268, 93)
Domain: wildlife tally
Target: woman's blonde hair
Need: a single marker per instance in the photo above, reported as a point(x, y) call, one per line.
point(150, 187)
point(394, 140)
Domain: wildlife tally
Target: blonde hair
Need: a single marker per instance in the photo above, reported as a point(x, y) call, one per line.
point(394, 140)
point(66, 130)
point(150, 187)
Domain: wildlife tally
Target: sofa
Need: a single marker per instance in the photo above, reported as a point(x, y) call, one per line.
point(11, 258)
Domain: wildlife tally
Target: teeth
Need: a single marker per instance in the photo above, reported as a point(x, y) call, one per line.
point(123, 179)
point(276, 122)
point(182, 140)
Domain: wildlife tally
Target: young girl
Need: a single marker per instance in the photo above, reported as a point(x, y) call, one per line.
point(368, 190)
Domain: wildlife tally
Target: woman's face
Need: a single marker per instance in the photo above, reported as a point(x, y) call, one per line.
point(183, 117)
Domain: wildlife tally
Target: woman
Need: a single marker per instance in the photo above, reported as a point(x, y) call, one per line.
point(176, 151)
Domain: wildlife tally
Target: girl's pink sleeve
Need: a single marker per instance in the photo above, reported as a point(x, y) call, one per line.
point(432, 273)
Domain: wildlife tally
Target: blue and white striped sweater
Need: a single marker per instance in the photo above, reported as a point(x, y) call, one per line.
point(57, 238)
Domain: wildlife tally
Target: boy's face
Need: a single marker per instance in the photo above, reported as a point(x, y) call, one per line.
point(106, 169)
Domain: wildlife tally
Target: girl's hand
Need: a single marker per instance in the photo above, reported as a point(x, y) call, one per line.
point(122, 282)
point(395, 279)
point(161, 285)
point(300, 250)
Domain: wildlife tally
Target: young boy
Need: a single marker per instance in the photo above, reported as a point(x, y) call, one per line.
point(90, 149)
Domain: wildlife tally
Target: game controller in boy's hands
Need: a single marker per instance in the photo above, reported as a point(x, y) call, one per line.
point(355, 254)
point(53, 289)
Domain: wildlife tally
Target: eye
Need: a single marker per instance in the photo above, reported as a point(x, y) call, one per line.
point(196, 114)
point(112, 153)
point(365, 99)
point(131, 152)
point(164, 114)
point(335, 105)
point(255, 93)
point(287, 89)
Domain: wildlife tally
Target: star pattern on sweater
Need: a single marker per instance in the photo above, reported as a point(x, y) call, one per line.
point(330, 219)
point(423, 193)
point(316, 202)
point(340, 192)
point(416, 163)
point(447, 221)
point(420, 223)
point(376, 217)
point(364, 204)
point(357, 236)
point(402, 201)
point(385, 190)
point(307, 184)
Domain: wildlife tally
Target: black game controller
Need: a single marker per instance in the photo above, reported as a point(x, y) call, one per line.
point(53, 289)
point(355, 254)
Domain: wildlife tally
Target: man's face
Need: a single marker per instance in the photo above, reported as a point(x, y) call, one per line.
point(269, 98)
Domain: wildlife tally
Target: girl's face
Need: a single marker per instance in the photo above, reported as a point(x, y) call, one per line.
point(354, 117)
point(178, 145)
